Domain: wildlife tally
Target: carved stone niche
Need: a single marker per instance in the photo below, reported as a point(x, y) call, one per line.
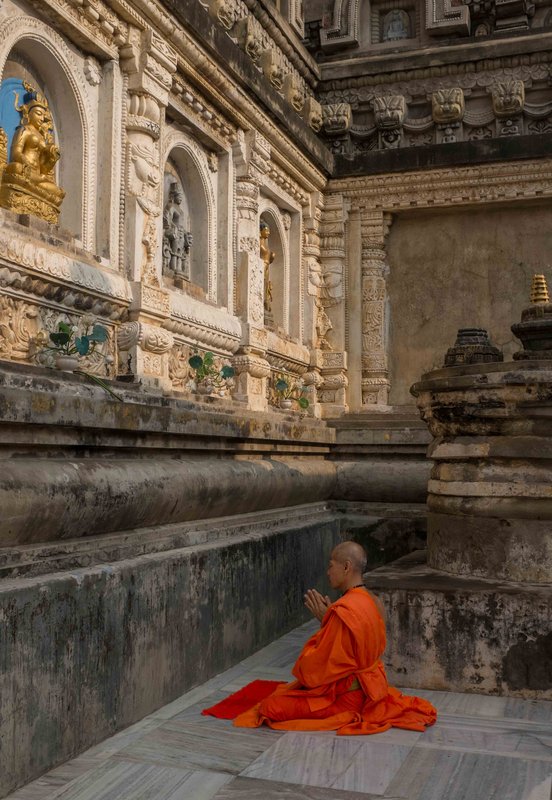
point(187, 220)
point(396, 25)
point(177, 236)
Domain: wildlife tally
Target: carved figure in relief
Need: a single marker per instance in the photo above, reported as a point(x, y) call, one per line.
point(177, 241)
point(144, 179)
point(312, 112)
point(268, 257)
point(396, 25)
point(28, 181)
point(389, 111)
point(447, 105)
point(337, 117)
point(249, 37)
point(508, 98)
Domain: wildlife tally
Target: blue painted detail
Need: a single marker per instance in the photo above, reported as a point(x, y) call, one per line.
point(12, 93)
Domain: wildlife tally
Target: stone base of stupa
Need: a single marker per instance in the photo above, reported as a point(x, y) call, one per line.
point(465, 634)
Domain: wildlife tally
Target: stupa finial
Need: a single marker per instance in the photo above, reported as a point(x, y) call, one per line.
point(539, 290)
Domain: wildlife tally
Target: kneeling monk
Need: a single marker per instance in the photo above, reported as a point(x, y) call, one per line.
point(341, 683)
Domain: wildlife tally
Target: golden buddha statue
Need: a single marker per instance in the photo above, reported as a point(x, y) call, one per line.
point(268, 257)
point(28, 183)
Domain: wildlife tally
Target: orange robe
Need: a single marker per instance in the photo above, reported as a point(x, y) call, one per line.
point(325, 696)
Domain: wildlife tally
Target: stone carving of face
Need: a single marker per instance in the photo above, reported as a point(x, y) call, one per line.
point(448, 105)
point(508, 98)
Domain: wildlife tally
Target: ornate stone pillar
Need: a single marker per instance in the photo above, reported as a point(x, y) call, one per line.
point(375, 373)
point(251, 157)
point(148, 63)
point(326, 275)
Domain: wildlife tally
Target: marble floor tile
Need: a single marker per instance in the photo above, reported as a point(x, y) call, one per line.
point(513, 738)
point(45, 787)
point(195, 695)
point(448, 775)
point(122, 739)
point(252, 789)
point(352, 763)
point(480, 705)
point(211, 744)
point(124, 780)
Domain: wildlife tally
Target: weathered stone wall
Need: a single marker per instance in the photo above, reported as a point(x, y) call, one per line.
point(476, 264)
point(88, 651)
point(465, 634)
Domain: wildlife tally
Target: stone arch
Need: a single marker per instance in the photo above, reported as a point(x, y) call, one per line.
point(191, 164)
point(280, 278)
point(66, 88)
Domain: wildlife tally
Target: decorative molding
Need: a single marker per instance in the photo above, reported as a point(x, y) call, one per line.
point(85, 23)
point(148, 337)
point(37, 258)
point(42, 289)
point(489, 183)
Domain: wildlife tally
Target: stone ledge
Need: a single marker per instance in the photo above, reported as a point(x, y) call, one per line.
point(443, 155)
point(37, 396)
point(465, 634)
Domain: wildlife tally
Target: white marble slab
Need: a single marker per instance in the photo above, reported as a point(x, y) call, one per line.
point(253, 789)
point(513, 738)
point(209, 744)
point(355, 763)
point(125, 780)
point(451, 775)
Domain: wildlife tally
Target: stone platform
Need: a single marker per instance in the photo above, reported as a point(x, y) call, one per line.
point(463, 633)
point(480, 748)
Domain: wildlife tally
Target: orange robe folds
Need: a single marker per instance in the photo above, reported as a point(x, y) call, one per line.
point(341, 683)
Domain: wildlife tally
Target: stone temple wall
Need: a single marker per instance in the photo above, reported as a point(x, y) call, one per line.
point(139, 530)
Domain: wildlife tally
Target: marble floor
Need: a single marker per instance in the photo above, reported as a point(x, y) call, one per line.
point(482, 748)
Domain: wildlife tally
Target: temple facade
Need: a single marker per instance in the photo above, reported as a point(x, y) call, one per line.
point(233, 234)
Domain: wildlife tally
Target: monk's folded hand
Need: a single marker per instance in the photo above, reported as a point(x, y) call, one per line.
point(316, 603)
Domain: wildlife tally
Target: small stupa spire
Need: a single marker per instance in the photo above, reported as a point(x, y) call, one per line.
point(539, 290)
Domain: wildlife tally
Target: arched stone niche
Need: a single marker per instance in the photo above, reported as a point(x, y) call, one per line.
point(279, 269)
point(194, 210)
point(30, 50)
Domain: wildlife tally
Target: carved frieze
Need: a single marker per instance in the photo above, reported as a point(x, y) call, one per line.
point(19, 323)
point(179, 368)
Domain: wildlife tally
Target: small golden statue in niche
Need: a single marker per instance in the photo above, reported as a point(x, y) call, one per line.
point(268, 257)
point(28, 182)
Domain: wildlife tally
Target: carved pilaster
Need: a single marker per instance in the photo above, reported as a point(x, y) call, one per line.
point(149, 62)
point(148, 348)
point(326, 283)
point(375, 374)
point(252, 158)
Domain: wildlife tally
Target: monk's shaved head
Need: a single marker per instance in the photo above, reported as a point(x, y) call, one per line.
point(353, 552)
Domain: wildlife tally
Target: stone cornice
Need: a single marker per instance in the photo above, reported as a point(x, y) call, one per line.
point(287, 40)
point(460, 186)
point(455, 60)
